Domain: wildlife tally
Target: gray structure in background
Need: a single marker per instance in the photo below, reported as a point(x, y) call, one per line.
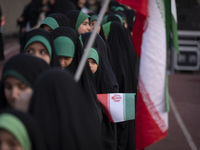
point(12, 9)
point(188, 12)
point(189, 47)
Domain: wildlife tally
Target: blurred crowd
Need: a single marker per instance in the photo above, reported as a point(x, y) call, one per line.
point(41, 105)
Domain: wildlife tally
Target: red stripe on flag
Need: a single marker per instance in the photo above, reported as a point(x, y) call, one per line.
point(137, 32)
point(138, 5)
point(147, 130)
point(104, 99)
point(141, 7)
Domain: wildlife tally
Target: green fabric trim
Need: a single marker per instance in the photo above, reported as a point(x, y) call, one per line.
point(93, 18)
point(106, 28)
point(104, 21)
point(13, 125)
point(41, 39)
point(16, 75)
point(167, 94)
point(167, 20)
point(64, 46)
point(119, 9)
point(175, 34)
point(51, 22)
point(94, 55)
point(120, 18)
point(81, 18)
point(80, 38)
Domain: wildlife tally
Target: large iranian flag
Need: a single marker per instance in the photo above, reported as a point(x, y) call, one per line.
point(149, 39)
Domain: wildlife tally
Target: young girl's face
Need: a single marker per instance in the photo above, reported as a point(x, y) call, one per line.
point(47, 28)
point(37, 49)
point(65, 61)
point(93, 65)
point(14, 89)
point(8, 141)
point(84, 27)
point(92, 25)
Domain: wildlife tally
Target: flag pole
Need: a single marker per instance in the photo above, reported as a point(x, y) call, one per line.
point(90, 42)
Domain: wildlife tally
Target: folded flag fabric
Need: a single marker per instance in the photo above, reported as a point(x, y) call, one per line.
point(119, 107)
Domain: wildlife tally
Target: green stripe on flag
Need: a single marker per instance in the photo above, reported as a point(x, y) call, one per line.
point(171, 25)
point(167, 94)
point(175, 34)
point(129, 106)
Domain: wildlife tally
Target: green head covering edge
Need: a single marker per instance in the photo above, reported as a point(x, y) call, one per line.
point(64, 46)
point(14, 126)
point(51, 22)
point(106, 28)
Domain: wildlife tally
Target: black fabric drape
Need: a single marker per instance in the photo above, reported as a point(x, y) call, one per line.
point(123, 67)
point(105, 79)
point(105, 83)
point(66, 118)
point(61, 19)
point(61, 6)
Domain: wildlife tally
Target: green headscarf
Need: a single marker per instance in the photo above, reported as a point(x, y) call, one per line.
point(94, 55)
point(14, 126)
point(64, 46)
point(93, 18)
point(106, 28)
point(51, 22)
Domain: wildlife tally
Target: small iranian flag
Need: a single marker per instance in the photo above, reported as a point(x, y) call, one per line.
point(119, 107)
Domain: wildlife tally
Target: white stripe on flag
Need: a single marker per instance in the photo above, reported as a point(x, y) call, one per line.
point(173, 9)
point(153, 62)
point(117, 107)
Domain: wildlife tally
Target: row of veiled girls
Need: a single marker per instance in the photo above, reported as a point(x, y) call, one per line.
point(38, 85)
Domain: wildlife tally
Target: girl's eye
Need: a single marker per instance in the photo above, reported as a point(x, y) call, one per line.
point(43, 52)
point(29, 51)
point(93, 62)
point(91, 24)
point(22, 86)
point(85, 23)
point(13, 144)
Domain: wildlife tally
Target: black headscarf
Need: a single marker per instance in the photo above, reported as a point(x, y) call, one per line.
point(66, 118)
point(41, 32)
point(31, 127)
point(105, 83)
point(61, 6)
point(32, 12)
point(105, 79)
point(112, 17)
point(72, 34)
point(61, 20)
point(24, 67)
point(130, 15)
